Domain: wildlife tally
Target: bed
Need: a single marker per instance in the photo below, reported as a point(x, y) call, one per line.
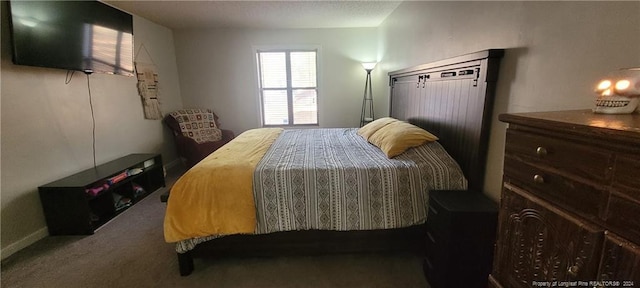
point(342, 189)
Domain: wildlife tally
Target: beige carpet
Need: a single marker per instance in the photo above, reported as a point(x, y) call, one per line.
point(130, 252)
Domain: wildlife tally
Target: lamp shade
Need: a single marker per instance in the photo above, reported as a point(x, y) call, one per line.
point(369, 65)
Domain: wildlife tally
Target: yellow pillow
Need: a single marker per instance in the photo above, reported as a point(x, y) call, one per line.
point(395, 138)
point(367, 130)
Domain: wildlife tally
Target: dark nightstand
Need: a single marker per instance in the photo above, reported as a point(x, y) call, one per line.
point(461, 231)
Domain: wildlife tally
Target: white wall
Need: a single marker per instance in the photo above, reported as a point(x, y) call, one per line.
point(47, 130)
point(217, 70)
point(555, 51)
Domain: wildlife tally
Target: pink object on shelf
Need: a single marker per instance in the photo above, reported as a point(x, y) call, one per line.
point(95, 190)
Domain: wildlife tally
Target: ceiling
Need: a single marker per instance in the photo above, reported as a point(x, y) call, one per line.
point(260, 14)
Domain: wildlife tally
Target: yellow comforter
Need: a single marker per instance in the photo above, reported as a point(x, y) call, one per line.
point(215, 197)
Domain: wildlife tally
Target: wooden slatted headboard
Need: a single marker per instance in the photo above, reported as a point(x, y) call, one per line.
point(453, 99)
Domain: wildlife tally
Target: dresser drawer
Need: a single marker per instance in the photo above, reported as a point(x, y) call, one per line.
point(432, 242)
point(626, 180)
point(436, 259)
point(624, 203)
point(578, 197)
point(572, 158)
point(434, 276)
point(620, 261)
point(438, 219)
point(623, 217)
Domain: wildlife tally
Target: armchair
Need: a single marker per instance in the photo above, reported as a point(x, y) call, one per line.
point(196, 134)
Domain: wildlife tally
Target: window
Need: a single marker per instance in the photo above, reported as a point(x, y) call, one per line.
point(288, 87)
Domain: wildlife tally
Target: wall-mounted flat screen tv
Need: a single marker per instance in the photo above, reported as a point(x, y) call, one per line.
point(87, 36)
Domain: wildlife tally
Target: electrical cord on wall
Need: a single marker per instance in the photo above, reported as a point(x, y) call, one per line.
point(93, 122)
point(67, 80)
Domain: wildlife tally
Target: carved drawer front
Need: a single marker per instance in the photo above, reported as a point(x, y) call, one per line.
point(571, 158)
point(541, 243)
point(620, 262)
point(581, 198)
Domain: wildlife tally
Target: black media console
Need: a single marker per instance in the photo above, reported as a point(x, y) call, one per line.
point(81, 203)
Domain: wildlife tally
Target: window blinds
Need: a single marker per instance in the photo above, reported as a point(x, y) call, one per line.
point(288, 87)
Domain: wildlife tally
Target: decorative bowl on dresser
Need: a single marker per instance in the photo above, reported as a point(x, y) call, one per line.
point(570, 205)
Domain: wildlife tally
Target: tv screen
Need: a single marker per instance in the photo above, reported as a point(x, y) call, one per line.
point(87, 36)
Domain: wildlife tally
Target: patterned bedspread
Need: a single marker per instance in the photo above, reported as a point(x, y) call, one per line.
point(333, 179)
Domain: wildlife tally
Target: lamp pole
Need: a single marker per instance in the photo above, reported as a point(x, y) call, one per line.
point(366, 115)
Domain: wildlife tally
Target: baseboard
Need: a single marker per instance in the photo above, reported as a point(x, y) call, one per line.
point(24, 242)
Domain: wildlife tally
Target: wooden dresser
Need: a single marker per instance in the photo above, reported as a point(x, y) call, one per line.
point(570, 204)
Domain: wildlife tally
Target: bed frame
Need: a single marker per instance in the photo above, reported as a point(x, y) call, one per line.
point(452, 99)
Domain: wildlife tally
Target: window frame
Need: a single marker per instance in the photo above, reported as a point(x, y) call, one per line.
point(289, 88)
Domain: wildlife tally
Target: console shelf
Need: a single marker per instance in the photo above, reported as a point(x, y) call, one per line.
point(83, 202)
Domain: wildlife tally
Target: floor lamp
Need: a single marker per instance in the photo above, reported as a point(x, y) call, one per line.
point(367, 101)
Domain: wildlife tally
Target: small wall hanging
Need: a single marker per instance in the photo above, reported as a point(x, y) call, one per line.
point(148, 86)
